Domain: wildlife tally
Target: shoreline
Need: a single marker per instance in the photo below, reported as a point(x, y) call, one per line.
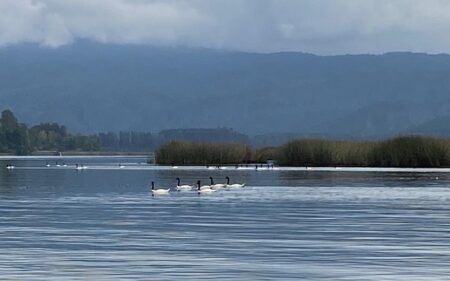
point(306, 170)
point(88, 153)
point(19, 157)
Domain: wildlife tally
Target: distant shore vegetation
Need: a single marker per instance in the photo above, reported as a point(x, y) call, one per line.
point(403, 151)
point(197, 153)
point(17, 138)
point(223, 146)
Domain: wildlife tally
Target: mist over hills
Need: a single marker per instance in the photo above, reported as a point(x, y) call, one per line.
point(92, 87)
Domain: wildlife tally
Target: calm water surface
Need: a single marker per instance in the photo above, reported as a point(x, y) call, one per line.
point(102, 223)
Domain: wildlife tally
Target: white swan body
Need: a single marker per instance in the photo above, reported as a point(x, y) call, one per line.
point(234, 185)
point(159, 191)
point(209, 190)
point(80, 167)
point(217, 185)
point(183, 187)
point(204, 188)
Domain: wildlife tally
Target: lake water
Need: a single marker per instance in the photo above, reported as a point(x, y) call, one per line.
point(101, 223)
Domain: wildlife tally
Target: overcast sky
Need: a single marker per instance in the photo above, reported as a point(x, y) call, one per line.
point(315, 26)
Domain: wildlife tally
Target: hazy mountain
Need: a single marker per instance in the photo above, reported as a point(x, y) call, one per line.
point(93, 87)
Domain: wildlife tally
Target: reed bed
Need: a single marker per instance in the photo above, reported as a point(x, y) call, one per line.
point(403, 151)
point(198, 153)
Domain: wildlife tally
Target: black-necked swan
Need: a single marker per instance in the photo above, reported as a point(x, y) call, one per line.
point(80, 167)
point(217, 185)
point(183, 187)
point(160, 190)
point(204, 189)
point(234, 184)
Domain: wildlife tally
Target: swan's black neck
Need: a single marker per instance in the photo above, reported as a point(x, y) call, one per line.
point(228, 180)
point(198, 185)
point(153, 185)
point(212, 181)
point(178, 181)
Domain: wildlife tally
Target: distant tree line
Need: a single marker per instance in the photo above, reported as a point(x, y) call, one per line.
point(224, 146)
point(17, 138)
point(404, 151)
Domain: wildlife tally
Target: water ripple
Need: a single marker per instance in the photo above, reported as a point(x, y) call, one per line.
point(285, 225)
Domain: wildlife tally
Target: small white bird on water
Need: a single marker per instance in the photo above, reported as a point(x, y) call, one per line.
point(183, 187)
point(160, 190)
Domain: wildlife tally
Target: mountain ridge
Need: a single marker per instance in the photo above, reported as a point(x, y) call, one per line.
point(94, 87)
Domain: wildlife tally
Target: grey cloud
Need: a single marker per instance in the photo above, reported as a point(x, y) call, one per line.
point(317, 26)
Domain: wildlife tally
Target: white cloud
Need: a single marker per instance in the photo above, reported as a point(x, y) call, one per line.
point(318, 26)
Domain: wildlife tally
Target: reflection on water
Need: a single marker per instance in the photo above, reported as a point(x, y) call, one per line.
point(103, 224)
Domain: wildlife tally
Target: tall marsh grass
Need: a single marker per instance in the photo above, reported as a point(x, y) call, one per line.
point(403, 151)
point(197, 153)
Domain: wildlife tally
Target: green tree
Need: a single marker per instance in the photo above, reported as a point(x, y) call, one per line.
point(13, 135)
